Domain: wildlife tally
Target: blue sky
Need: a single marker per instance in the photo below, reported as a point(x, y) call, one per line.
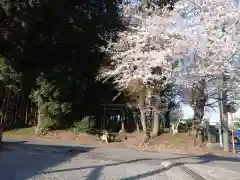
point(132, 1)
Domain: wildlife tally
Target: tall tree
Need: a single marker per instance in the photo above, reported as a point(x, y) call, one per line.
point(212, 26)
point(143, 58)
point(58, 44)
point(213, 38)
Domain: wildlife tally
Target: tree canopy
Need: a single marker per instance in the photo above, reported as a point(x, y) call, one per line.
point(56, 47)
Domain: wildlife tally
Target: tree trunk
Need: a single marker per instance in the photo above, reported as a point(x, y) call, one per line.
point(156, 123)
point(163, 122)
point(122, 124)
point(143, 118)
point(198, 116)
point(136, 120)
point(138, 127)
point(199, 99)
point(39, 129)
point(144, 125)
point(26, 113)
point(6, 110)
point(175, 127)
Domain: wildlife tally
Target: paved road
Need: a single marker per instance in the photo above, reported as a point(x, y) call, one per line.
point(38, 160)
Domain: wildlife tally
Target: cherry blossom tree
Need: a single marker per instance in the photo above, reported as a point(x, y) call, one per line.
point(143, 58)
point(213, 27)
point(199, 33)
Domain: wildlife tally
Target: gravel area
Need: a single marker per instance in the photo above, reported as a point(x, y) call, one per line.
point(40, 161)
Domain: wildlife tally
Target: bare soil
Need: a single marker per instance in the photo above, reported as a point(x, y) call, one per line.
point(179, 143)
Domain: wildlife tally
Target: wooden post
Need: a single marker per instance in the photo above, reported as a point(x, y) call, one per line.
point(122, 121)
point(26, 114)
point(104, 117)
point(233, 142)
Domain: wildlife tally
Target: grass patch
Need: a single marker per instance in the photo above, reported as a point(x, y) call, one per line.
point(20, 131)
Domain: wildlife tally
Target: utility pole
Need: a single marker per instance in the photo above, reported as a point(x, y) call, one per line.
point(219, 83)
point(233, 138)
point(223, 125)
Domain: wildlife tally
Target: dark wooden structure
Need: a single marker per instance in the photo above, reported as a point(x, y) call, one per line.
point(113, 113)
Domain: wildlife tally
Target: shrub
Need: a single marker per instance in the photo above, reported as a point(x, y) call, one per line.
point(189, 125)
point(86, 124)
point(182, 127)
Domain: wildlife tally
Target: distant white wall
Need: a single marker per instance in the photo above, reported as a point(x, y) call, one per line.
point(213, 116)
point(188, 112)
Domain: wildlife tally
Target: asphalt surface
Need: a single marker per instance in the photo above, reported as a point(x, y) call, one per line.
point(38, 160)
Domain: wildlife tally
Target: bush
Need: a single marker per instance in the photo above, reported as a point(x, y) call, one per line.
point(85, 125)
point(189, 125)
point(184, 127)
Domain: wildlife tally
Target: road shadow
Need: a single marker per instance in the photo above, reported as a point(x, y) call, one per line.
point(26, 160)
point(96, 172)
point(175, 162)
point(182, 165)
point(97, 166)
point(207, 157)
point(94, 176)
point(211, 157)
point(20, 160)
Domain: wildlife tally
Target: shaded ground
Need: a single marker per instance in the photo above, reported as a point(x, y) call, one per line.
point(21, 161)
point(39, 160)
